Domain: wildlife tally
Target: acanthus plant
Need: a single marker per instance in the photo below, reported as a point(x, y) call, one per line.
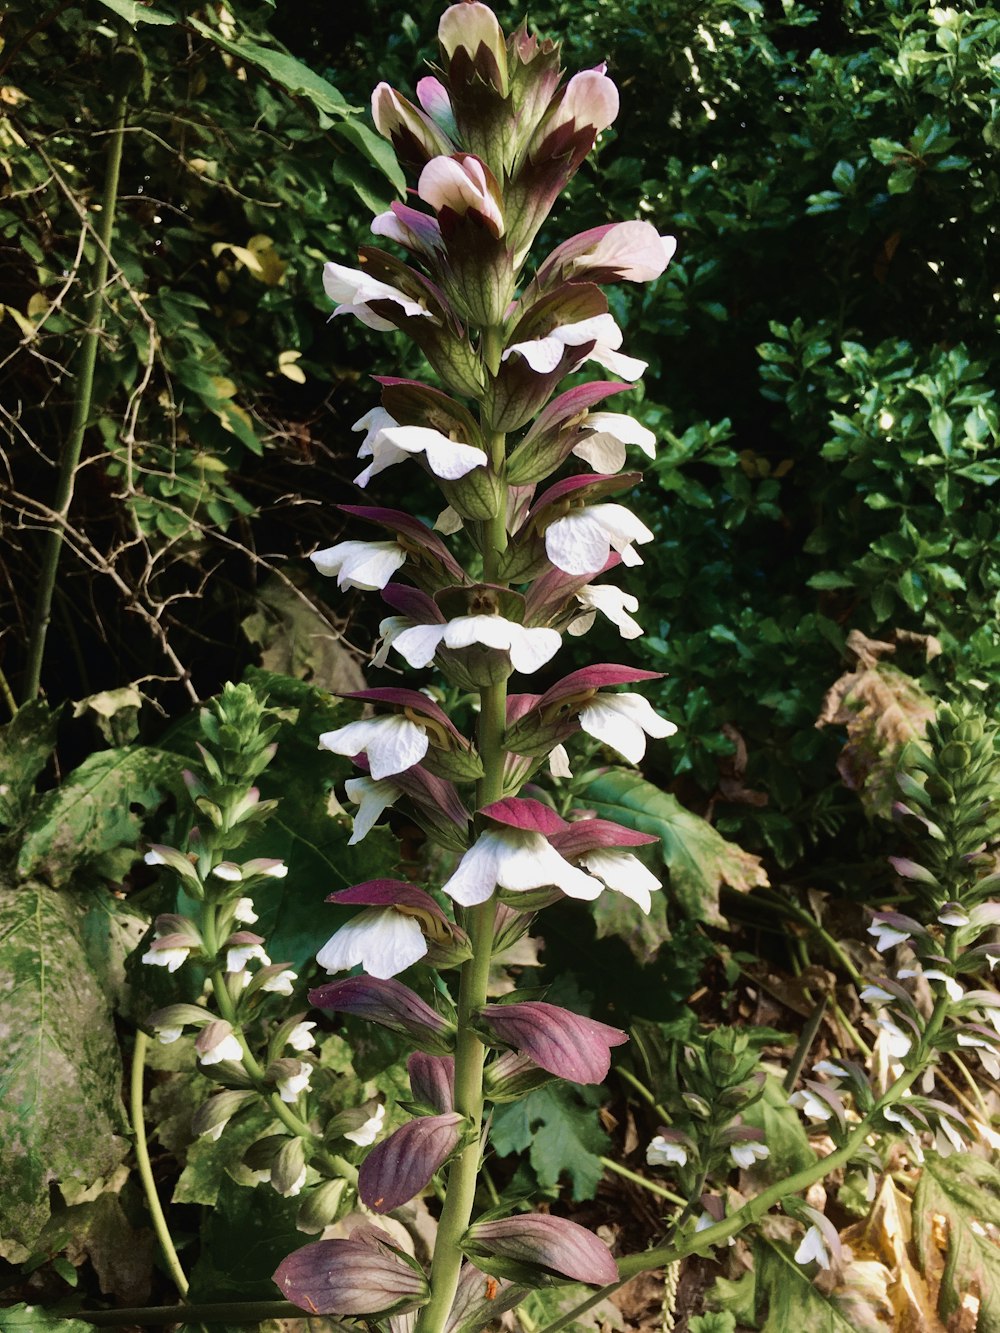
point(491, 143)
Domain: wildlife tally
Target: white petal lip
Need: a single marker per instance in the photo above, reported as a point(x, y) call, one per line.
point(622, 721)
point(746, 1154)
point(529, 649)
point(581, 541)
point(544, 354)
point(623, 872)
point(603, 452)
point(228, 1048)
point(517, 860)
point(624, 428)
point(446, 458)
point(559, 762)
point(591, 99)
point(352, 290)
point(371, 798)
point(392, 744)
point(813, 1246)
point(613, 603)
point(633, 248)
point(381, 940)
point(365, 565)
point(886, 936)
point(365, 1135)
point(663, 1152)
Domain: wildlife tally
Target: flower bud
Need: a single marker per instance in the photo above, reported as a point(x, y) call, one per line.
point(288, 1168)
point(320, 1206)
point(540, 1249)
point(365, 1275)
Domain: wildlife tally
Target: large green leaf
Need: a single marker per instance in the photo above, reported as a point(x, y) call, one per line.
point(133, 12)
point(33, 1319)
point(789, 1299)
point(964, 1190)
point(25, 745)
point(783, 1133)
point(559, 1126)
point(93, 812)
point(292, 74)
point(698, 858)
point(60, 1078)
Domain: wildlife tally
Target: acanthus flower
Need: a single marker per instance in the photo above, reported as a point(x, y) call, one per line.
point(581, 541)
point(390, 936)
point(463, 184)
point(354, 290)
point(387, 443)
point(414, 133)
point(618, 251)
point(365, 565)
point(612, 603)
point(392, 743)
point(599, 335)
point(622, 722)
point(603, 448)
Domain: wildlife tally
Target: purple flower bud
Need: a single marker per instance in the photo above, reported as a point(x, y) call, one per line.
point(566, 1044)
point(365, 1275)
point(524, 813)
point(390, 1004)
point(534, 1245)
point(402, 1165)
point(432, 1080)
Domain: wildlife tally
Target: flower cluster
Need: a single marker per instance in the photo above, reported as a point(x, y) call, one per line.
point(491, 140)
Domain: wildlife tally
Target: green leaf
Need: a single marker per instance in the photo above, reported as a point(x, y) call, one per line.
point(559, 1126)
point(698, 858)
point(721, 1321)
point(92, 813)
point(378, 152)
point(246, 1236)
point(25, 745)
point(60, 1079)
point(33, 1319)
point(133, 12)
point(965, 1191)
point(294, 76)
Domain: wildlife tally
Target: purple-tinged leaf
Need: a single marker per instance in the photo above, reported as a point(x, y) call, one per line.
point(566, 1044)
point(390, 1004)
point(399, 523)
point(524, 813)
point(516, 1247)
point(432, 1080)
point(907, 869)
point(480, 1300)
point(390, 893)
point(584, 835)
point(401, 1166)
point(595, 677)
point(574, 402)
point(359, 1276)
point(586, 487)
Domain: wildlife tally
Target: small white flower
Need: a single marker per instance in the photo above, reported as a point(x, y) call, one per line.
point(392, 744)
point(229, 871)
point(812, 1106)
point(238, 956)
point(517, 860)
point(301, 1036)
point(243, 911)
point(875, 995)
point(953, 915)
point(166, 1036)
point(365, 565)
point(365, 1135)
point(813, 1247)
point(622, 721)
point(291, 1085)
point(952, 987)
point(623, 872)
point(886, 936)
point(897, 1117)
point(830, 1069)
point(897, 1042)
point(282, 983)
point(528, 649)
point(382, 940)
point(228, 1048)
point(372, 799)
point(611, 602)
point(581, 541)
point(171, 959)
point(353, 289)
point(663, 1152)
point(745, 1154)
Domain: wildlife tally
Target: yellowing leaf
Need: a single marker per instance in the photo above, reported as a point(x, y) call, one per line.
point(956, 1217)
point(272, 267)
point(38, 303)
point(223, 387)
point(288, 368)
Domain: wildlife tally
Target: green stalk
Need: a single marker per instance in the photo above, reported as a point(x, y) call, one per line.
point(145, 1166)
point(224, 1312)
point(611, 1165)
point(470, 1053)
point(70, 460)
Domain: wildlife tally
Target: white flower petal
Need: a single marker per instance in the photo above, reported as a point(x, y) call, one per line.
point(372, 799)
point(577, 543)
point(517, 860)
point(301, 1036)
point(381, 940)
point(622, 722)
point(623, 428)
point(418, 643)
point(612, 603)
point(664, 1152)
point(366, 1134)
point(559, 762)
point(746, 1154)
point(364, 565)
point(813, 1247)
point(392, 744)
point(602, 452)
point(623, 872)
point(449, 459)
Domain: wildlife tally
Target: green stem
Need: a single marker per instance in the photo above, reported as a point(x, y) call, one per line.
point(226, 1312)
point(470, 1053)
point(70, 460)
point(636, 1179)
point(146, 1168)
point(754, 1209)
point(628, 1077)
